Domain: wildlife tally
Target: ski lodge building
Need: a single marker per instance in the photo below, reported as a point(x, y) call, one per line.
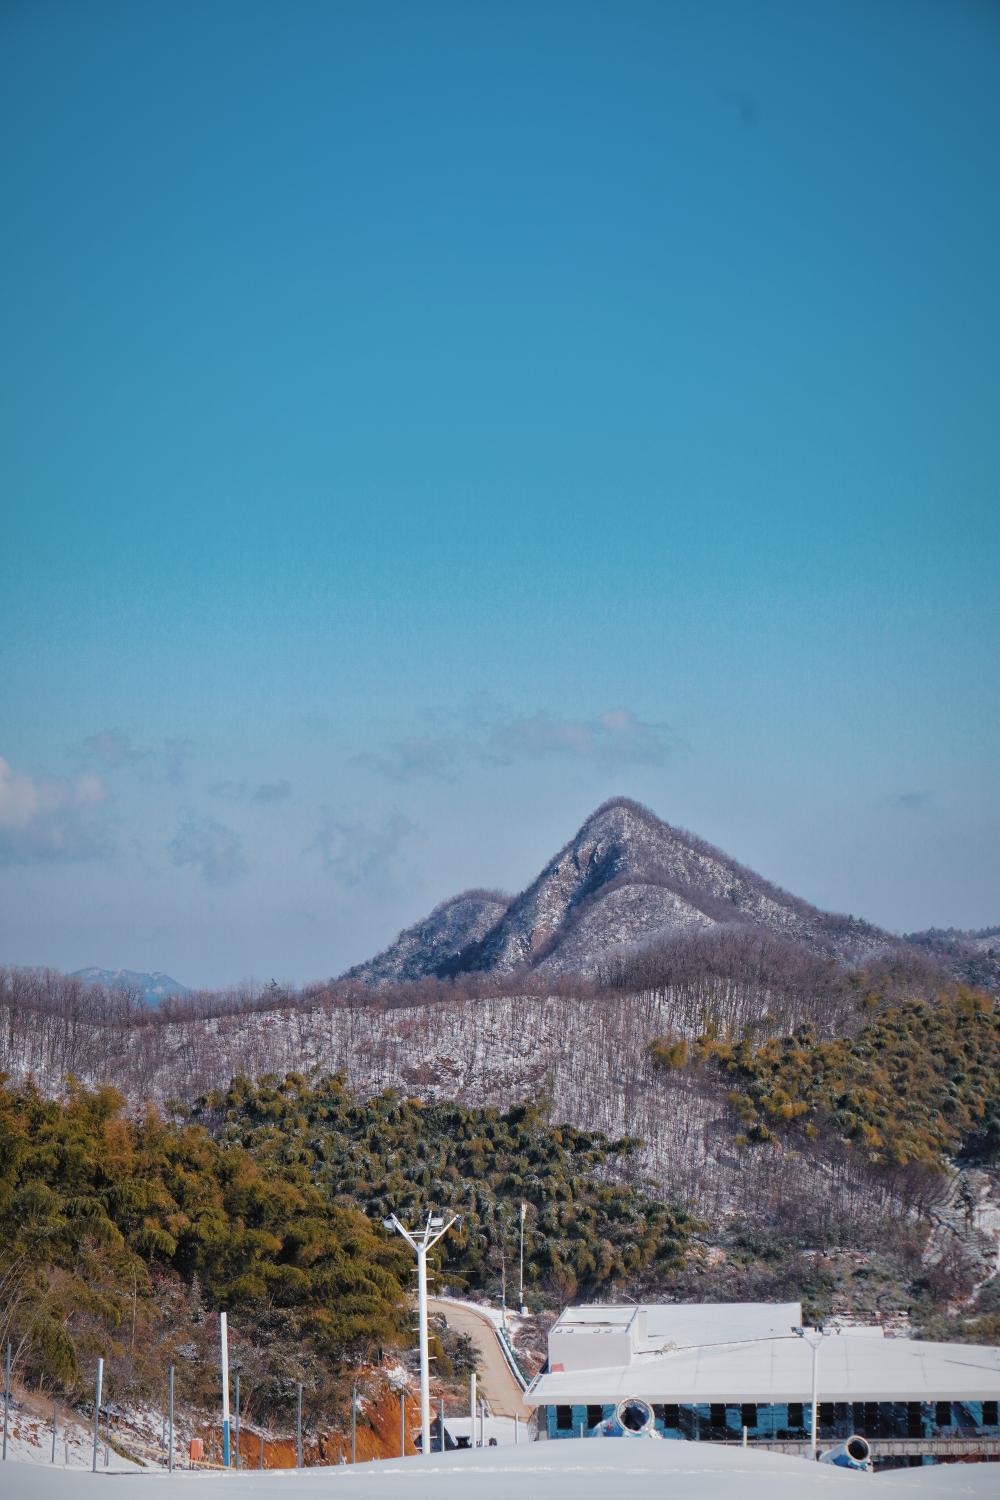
point(710, 1369)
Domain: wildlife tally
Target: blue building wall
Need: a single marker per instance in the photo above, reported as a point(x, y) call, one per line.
point(718, 1423)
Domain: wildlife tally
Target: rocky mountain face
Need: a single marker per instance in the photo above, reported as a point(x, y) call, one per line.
point(626, 879)
point(433, 945)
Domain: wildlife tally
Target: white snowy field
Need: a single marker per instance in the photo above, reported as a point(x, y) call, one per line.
point(574, 1469)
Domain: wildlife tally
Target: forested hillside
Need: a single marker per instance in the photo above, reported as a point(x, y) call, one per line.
point(117, 1233)
point(124, 1235)
point(589, 1225)
point(743, 1118)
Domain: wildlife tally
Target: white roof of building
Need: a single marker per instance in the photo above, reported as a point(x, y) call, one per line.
point(657, 1326)
point(780, 1369)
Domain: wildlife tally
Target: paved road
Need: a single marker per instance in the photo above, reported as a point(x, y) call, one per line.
point(496, 1384)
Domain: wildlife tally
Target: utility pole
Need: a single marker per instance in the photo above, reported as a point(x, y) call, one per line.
point(420, 1241)
point(813, 1338)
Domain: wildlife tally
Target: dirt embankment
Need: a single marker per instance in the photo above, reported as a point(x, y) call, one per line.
point(377, 1437)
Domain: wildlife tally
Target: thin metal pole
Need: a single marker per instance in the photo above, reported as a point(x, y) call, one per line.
point(425, 1363)
point(441, 1419)
point(517, 1437)
point(520, 1276)
point(472, 1410)
point(236, 1414)
point(170, 1422)
point(402, 1424)
point(354, 1424)
point(260, 1453)
point(743, 1440)
point(97, 1409)
point(224, 1347)
point(6, 1398)
point(298, 1424)
point(55, 1425)
point(482, 1424)
point(815, 1398)
point(503, 1278)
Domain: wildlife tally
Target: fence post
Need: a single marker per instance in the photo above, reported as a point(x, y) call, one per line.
point(170, 1422)
point(6, 1398)
point(55, 1424)
point(298, 1424)
point(97, 1409)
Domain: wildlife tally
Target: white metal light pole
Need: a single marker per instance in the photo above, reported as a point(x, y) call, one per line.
point(420, 1241)
point(224, 1346)
point(813, 1338)
point(520, 1278)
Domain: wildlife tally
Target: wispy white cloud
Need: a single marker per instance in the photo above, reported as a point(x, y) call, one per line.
point(909, 801)
point(269, 792)
point(45, 817)
point(265, 793)
point(615, 738)
point(113, 748)
point(214, 849)
point(358, 853)
point(434, 757)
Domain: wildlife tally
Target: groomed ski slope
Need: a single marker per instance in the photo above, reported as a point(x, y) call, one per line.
point(573, 1469)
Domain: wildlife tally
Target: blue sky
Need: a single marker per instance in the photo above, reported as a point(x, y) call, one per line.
point(420, 423)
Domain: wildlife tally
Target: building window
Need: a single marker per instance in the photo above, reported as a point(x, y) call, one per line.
point(796, 1415)
point(914, 1419)
point(748, 1414)
point(989, 1414)
point(716, 1415)
point(594, 1415)
point(826, 1414)
point(672, 1416)
point(564, 1419)
point(942, 1413)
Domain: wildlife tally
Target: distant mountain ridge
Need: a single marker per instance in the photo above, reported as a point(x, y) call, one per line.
point(152, 987)
point(625, 879)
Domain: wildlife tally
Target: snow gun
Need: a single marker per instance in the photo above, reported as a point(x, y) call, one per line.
point(853, 1453)
point(633, 1418)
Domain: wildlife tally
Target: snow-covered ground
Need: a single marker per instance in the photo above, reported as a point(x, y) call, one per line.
point(567, 1470)
point(29, 1441)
